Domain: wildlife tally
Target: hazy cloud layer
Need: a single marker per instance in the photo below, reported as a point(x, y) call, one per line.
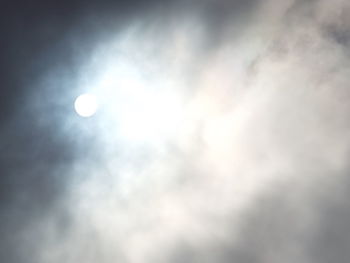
point(222, 133)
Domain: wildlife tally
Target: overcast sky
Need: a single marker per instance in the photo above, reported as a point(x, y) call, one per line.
point(222, 133)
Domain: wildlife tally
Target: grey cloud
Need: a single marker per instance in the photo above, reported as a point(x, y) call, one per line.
point(257, 171)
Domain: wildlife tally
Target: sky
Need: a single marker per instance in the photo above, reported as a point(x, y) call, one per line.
point(221, 134)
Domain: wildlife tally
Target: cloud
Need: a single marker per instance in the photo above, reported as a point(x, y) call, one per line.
point(222, 136)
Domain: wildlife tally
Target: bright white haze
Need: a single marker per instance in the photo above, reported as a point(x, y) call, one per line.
point(212, 143)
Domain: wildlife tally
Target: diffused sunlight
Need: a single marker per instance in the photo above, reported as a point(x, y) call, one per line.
point(86, 105)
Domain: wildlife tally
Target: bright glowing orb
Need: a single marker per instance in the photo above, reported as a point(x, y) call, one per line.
point(86, 105)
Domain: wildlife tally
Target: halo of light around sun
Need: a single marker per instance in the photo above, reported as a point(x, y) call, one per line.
point(86, 105)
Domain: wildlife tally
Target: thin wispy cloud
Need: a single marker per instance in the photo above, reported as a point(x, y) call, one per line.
point(220, 134)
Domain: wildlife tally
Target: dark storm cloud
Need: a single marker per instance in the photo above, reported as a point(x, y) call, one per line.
point(274, 190)
point(34, 158)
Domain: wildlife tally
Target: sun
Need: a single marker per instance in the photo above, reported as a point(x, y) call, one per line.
point(86, 105)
